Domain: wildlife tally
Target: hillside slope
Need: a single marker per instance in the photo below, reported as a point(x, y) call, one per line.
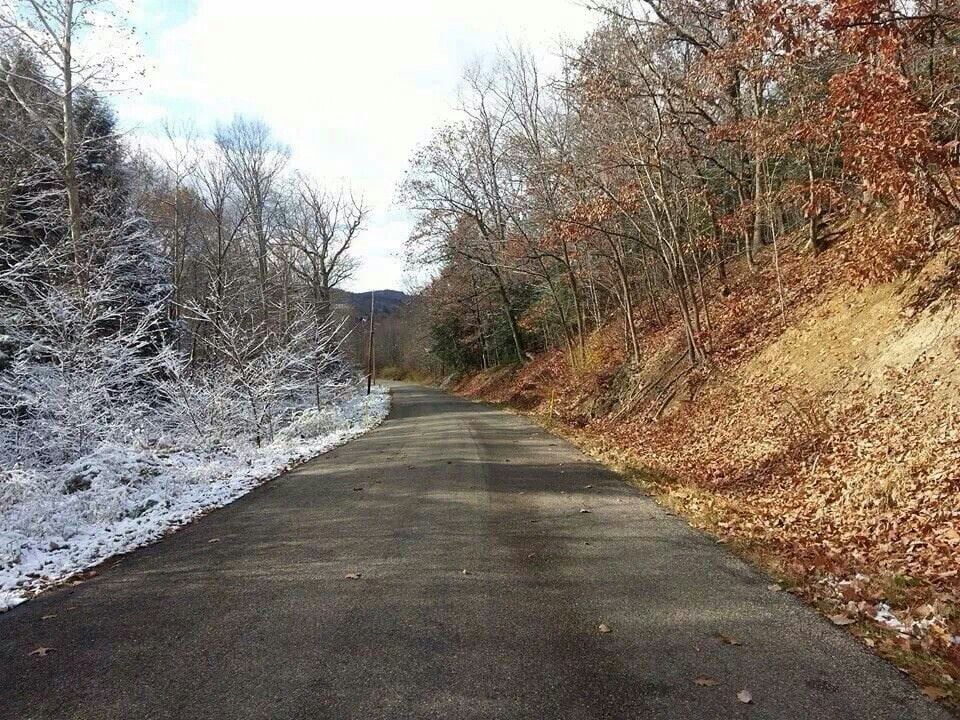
point(825, 447)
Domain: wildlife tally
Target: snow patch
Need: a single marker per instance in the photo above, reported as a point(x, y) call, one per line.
point(915, 627)
point(59, 521)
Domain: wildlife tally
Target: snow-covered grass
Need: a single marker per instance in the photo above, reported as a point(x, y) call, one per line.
point(57, 521)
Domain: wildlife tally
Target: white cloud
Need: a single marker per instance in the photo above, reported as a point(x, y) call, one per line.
point(352, 87)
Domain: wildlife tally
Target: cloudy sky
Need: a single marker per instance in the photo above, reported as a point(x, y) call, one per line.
point(352, 86)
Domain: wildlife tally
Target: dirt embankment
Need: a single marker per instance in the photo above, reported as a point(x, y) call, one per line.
point(826, 447)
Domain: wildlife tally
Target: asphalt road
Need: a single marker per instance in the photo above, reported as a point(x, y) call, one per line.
point(264, 623)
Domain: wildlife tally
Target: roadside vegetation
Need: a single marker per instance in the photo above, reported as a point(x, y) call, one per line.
point(719, 247)
point(167, 336)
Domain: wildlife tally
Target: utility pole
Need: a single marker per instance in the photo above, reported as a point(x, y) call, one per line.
point(371, 361)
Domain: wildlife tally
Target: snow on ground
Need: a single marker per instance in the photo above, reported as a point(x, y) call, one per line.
point(55, 523)
point(884, 615)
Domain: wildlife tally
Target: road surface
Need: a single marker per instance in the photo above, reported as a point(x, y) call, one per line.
point(481, 589)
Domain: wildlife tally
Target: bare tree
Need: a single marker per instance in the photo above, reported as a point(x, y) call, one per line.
point(257, 162)
point(226, 212)
point(322, 227)
point(454, 185)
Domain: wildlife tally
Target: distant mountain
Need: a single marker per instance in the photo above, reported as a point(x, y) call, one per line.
point(386, 302)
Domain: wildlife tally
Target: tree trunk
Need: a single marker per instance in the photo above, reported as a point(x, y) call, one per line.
point(620, 264)
point(508, 311)
point(756, 239)
point(71, 181)
point(577, 305)
point(568, 338)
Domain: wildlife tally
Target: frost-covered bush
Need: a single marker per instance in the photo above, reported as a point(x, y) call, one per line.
point(83, 365)
point(81, 359)
point(108, 437)
point(255, 378)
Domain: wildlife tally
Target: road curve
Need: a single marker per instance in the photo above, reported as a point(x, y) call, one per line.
point(249, 613)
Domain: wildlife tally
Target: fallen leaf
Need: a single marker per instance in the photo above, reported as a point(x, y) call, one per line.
point(41, 651)
point(935, 693)
point(774, 588)
point(842, 620)
point(745, 696)
point(352, 576)
point(951, 536)
point(706, 682)
point(729, 639)
point(603, 629)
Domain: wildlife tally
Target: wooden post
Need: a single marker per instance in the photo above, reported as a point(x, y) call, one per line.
point(371, 361)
